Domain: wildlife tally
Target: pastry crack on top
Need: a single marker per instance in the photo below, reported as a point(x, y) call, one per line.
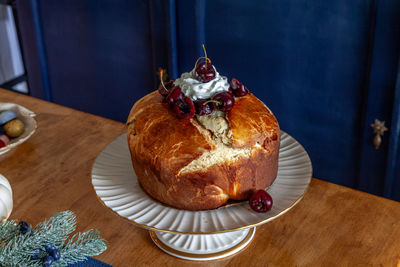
point(198, 141)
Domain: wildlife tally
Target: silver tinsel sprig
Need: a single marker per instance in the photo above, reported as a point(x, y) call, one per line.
point(18, 249)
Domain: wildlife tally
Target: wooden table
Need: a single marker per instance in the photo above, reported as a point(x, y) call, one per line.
point(331, 226)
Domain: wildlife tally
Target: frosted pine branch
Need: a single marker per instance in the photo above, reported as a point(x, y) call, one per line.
point(19, 249)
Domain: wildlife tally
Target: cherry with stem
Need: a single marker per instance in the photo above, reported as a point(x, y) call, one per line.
point(164, 88)
point(204, 71)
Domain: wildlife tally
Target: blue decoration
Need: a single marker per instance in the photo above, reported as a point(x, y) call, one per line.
point(23, 227)
point(7, 116)
point(90, 262)
point(36, 254)
point(50, 248)
point(50, 242)
point(53, 251)
point(56, 255)
point(47, 261)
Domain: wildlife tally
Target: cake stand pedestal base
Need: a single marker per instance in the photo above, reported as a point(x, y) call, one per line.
point(203, 247)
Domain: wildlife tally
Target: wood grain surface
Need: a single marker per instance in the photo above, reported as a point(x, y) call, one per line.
point(331, 226)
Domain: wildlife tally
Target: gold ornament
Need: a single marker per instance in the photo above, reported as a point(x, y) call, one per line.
point(379, 129)
point(14, 128)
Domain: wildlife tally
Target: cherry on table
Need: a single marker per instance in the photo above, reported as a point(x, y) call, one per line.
point(205, 71)
point(260, 201)
point(203, 108)
point(224, 101)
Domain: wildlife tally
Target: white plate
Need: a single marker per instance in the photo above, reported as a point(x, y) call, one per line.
point(27, 117)
point(116, 185)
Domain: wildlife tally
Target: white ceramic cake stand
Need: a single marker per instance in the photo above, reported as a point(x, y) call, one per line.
point(196, 235)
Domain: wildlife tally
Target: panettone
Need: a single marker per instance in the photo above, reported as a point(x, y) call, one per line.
point(201, 162)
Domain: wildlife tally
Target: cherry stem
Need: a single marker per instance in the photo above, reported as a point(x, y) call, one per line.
point(205, 54)
point(161, 79)
point(205, 57)
point(212, 101)
point(197, 61)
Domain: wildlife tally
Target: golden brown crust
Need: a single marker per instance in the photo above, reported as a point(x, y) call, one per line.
point(143, 103)
point(251, 122)
point(164, 142)
point(161, 145)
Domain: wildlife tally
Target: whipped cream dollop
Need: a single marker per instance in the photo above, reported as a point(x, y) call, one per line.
point(195, 89)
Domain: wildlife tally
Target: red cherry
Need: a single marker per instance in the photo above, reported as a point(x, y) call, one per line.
point(205, 72)
point(174, 95)
point(203, 108)
point(184, 108)
point(164, 91)
point(261, 201)
point(224, 101)
point(238, 88)
point(235, 84)
point(2, 144)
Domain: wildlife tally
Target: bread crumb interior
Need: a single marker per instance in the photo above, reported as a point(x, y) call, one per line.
point(221, 137)
point(218, 125)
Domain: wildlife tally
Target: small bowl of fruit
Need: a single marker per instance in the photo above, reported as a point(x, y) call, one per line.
point(17, 124)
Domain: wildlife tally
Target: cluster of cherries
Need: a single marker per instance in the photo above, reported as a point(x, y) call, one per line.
point(185, 108)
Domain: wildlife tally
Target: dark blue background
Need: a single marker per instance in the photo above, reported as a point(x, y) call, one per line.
point(327, 69)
